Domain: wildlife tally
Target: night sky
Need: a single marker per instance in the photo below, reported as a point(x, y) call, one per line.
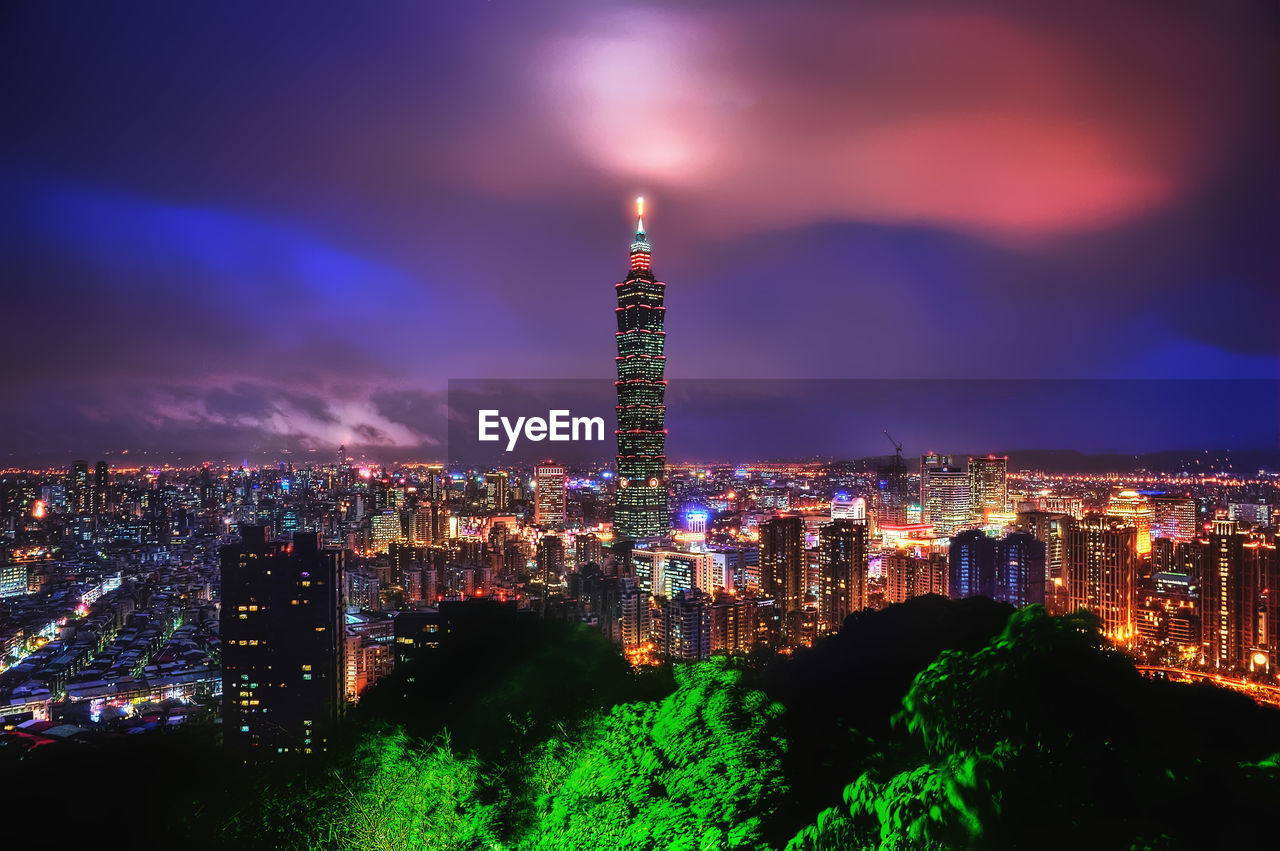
point(236, 228)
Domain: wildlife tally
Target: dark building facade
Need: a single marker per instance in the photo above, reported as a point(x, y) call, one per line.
point(282, 640)
point(972, 565)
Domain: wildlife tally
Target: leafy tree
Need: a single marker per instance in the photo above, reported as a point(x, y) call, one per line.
point(700, 769)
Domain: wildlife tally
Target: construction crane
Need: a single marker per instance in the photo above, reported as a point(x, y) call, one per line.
point(896, 445)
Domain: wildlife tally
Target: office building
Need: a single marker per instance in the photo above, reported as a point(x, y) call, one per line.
point(1101, 567)
point(842, 572)
point(1020, 569)
point(1135, 509)
point(549, 496)
point(640, 510)
point(782, 562)
point(988, 485)
point(972, 565)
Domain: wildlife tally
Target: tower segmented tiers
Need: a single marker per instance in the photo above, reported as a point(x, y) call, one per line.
point(640, 511)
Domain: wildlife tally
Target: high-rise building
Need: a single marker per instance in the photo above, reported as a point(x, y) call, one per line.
point(550, 558)
point(282, 640)
point(842, 572)
point(99, 497)
point(1134, 508)
point(988, 485)
point(78, 487)
point(946, 502)
point(1256, 512)
point(847, 507)
point(782, 562)
point(423, 524)
point(972, 565)
point(549, 496)
point(1020, 569)
point(1174, 517)
point(1101, 567)
point(587, 549)
point(13, 579)
point(497, 489)
point(385, 529)
point(684, 626)
point(913, 574)
point(640, 510)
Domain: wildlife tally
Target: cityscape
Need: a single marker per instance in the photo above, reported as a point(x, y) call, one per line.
point(259, 589)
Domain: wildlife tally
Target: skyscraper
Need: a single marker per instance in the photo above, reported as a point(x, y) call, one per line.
point(548, 496)
point(282, 640)
point(972, 565)
point(1134, 509)
point(988, 485)
point(782, 562)
point(842, 571)
point(1020, 569)
point(640, 510)
point(1101, 567)
point(947, 503)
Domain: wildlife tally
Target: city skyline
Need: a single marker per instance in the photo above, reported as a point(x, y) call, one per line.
point(256, 247)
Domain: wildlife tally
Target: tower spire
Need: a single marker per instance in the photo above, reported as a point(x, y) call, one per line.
point(640, 248)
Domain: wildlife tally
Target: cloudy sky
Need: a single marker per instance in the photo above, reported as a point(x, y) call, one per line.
point(241, 227)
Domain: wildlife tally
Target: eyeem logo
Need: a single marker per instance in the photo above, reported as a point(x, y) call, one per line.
point(558, 426)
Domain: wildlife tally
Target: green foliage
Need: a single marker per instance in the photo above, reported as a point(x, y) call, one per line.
point(398, 797)
point(699, 769)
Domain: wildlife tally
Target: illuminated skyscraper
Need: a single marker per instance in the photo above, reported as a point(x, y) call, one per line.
point(988, 488)
point(78, 488)
point(1174, 517)
point(548, 496)
point(1134, 509)
point(640, 510)
point(782, 562)
point(1101, 567)
point(947, 503)
point(842, 571)
point(497, 487)
point(972, 565)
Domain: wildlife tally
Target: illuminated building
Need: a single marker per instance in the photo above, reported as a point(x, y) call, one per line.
point(696, 521)
point(1223, 593)
point(549, 496)
point(1020, 570)
point(683, 626)
point(497, 490)
point(99, 497)
point(971, 565)
point(733, 625)
point(1262, 567)
point(636, 624)
point(1048, 528)
point(842, 572)
point(640, 510)
point(1174, 517)
point(894, 490)
point(78, 488)
point(282, 642)
point(1256, 513)
point(846, 507)
point(666, 573)
point(550, 559)
point(913, 574)
point(13, 579)
point(782, 562)
point(385, 529)
point(988, 485)
point(1134, 509)
point(1101, 567)
point(947, 503)
point(587, 549)
point(423, 524)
